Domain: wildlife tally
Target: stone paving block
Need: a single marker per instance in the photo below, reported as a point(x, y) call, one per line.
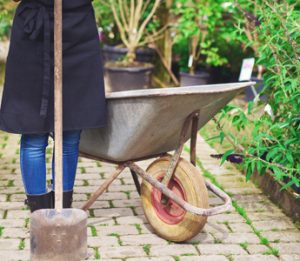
point(11, 205)
point(15, 232)
point(204, 258)
point(96, 205)
point(122, 252)
point(240, 227)
point(143, 239)
point(9, 244)
point(266, 216)
point(15, 214)
point(132, 220)
point(88, 176)
point(18, 198)
point(255, 258)
point(202, 238)
point(120, 230)
point(283, 236)
point(243, 191)
point(160, 258)
point(113, 212)
point(238, 238)
point(289, 257)
point(3, 197)
point(12, 223)
point(79, 197)
point(226, 218)
point(101, 221)
point(221, 249)
point(146, 228)
point(127, 203)
point(139, 211)
point(173, 250)
point(119, 188)
point(101, 241)
point(256, 249)
point(17, 255)
point(287, 248)
point(273, 224)
point(112, 196)
point(99, 182)
point(258, 206)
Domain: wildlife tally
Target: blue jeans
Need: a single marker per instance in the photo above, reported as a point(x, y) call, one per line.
point(33, 161)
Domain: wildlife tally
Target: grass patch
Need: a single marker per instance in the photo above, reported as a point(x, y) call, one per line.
point(93, 231)
point(1, 231)
point(118, 237)
point(127, 193)
point(91, 212)
point(111, 204)
point(10, 183)
point(138, 228)
point(146, 249)
point(96, 253)
point(5, 214)
point(271, 251)
point(244, 245)
point(22, 244)
point(27, 222)
point(98, 163)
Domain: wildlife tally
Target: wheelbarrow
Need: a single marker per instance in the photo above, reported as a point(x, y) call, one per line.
point(144, 124)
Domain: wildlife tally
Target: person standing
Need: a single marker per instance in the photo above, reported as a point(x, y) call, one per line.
point(27, 106)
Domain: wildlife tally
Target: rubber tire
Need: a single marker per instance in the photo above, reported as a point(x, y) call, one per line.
point(196, 194)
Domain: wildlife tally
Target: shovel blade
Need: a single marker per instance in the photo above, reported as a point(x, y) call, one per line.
point(58, 235)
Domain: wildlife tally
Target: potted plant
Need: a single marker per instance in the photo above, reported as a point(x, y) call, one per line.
point(196, 22)
point(132, 19)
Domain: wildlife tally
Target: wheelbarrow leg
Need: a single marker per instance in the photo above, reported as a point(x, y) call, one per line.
point(103, 187)
point(136, 181)
point(194, 133)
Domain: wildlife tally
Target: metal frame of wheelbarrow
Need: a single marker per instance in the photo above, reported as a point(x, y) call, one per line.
point(191, 120)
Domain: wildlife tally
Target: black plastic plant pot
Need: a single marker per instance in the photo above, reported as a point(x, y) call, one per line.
point(258, 87)
point(199, 78)
point(129, 78)
point(113, 53)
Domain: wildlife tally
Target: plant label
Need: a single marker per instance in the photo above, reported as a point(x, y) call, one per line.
point(246, 70)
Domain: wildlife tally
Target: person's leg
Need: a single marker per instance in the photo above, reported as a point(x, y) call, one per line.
point(71, 140)
point(33, 170)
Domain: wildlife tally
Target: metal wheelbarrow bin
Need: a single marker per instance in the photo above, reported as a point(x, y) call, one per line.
point(144, 124)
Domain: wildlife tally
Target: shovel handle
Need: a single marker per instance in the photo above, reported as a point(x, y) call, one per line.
point(58, 117)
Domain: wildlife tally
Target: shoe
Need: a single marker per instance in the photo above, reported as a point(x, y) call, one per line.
point(67, 199)
point(43, 201)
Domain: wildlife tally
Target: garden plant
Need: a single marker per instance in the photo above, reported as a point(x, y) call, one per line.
point(269, 132)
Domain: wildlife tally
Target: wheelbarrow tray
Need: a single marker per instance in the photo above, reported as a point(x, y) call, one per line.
point(144, 123)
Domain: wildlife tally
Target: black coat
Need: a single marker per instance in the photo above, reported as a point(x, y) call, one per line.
point(27, 101)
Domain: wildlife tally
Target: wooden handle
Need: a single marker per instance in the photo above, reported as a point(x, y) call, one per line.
point(58, 117)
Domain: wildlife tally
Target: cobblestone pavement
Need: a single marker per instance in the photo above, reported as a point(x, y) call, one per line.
point(255, 229)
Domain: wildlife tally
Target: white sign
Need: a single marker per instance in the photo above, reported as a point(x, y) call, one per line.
point(246, 70)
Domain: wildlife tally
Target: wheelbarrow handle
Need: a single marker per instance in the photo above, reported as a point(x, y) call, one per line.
point(185, 205)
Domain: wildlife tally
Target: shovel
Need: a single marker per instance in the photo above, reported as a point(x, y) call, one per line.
point(58, 234)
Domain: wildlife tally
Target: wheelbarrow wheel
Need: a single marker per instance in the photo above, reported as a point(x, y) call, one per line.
point(170, 221)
